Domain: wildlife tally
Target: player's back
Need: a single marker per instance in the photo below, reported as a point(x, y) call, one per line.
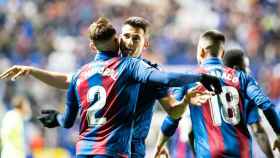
point(106, 96)
point(220, 125)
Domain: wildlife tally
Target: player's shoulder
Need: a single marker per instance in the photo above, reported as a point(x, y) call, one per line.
point(84, 68)
point(152, 64)
point(134, 61)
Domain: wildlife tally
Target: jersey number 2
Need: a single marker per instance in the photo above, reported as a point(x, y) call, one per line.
point(97, 98)
point(225, 106)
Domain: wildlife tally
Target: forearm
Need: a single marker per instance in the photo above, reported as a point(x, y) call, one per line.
point(173, 79)
point(262, 139)
point(54, 79)
point(67, 118)
point(273, 119)
point(178, 109)
point(162, 139)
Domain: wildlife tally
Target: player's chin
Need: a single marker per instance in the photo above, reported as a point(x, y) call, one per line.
point(127, 53)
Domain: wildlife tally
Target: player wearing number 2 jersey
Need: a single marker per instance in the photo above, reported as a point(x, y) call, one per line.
point(105, 92)
point(220, 125)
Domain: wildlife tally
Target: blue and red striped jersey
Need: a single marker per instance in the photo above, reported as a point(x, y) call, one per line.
point(220, 125)
point(148, 94)
point(105, 92)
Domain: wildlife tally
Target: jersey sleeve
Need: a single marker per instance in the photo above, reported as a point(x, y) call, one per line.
point(256, 94)
point(252, 114)
point(144, 73)
point(140, 70)
point(67, 118)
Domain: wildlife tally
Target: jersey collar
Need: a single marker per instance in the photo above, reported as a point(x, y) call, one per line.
point(105, 55)
point(212, 61)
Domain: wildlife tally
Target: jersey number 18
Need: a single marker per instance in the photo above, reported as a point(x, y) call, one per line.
point(225, 106)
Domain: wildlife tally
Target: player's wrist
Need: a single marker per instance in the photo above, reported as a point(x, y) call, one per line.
point(32, 71)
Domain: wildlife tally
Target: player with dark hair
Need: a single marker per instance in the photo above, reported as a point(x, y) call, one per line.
point(105, 92)
point(134, 38)
point(220, 124)
point(235, 58)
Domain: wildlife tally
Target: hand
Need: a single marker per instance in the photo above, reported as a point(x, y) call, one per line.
point(197, 97)
point(276, 144)
point(16, 71)
point(200, 98)
point(210, 82)
point(48, 118)
point(162, 152)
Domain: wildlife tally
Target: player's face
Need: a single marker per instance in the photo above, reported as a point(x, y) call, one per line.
point(132, 41)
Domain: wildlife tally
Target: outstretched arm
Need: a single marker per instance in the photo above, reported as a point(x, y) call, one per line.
point(54, 79)
point(172, 79)
point(255, 93)
point(142, 72)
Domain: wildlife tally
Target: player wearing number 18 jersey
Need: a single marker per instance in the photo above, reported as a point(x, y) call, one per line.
point(220, 125)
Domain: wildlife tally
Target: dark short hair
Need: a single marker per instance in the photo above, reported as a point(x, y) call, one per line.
point(101, 30)
point(215, 39)
point(234, 58)
point(139, 22)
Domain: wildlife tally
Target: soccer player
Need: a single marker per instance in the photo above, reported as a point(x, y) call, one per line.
point(235, 58)
point(12, 129)
point(105, 92)
point(134, 38)
point(220, 125)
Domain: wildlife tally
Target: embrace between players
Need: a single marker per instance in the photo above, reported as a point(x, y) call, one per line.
point(115, 93)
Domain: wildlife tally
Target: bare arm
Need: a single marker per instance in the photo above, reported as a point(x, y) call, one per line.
point(176, 109)
point(54, 79)
point(161, 150)
point(262, 138)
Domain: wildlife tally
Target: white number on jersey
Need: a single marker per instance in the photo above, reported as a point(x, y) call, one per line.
point(97, 98)
point(229, 110)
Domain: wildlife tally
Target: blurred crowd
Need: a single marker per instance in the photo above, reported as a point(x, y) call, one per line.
point(52, 34)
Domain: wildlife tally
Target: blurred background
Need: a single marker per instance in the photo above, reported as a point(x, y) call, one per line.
point(51, 34)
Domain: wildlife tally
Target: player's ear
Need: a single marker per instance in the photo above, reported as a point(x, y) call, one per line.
point(92, 46)
point(222, 54)
point(146, 43)
point(203, 53)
